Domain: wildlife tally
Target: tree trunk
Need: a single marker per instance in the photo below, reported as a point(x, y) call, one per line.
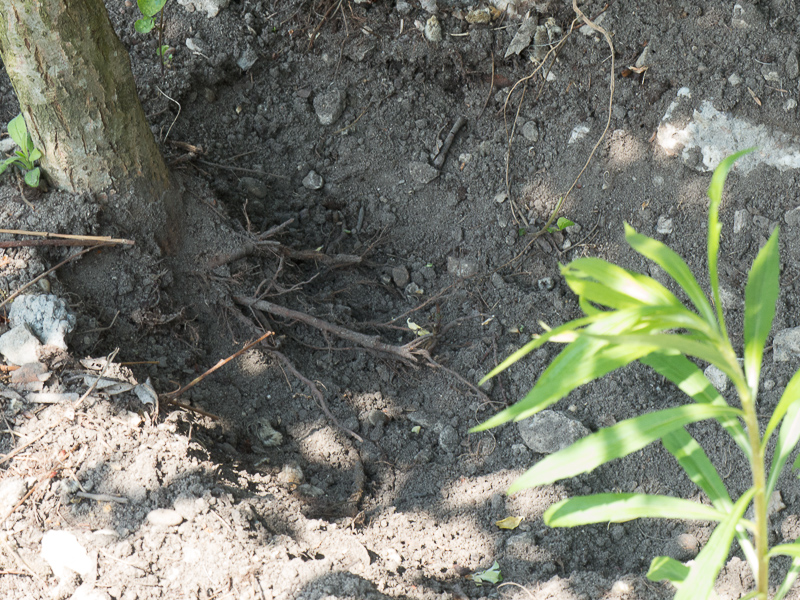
point(73, 80)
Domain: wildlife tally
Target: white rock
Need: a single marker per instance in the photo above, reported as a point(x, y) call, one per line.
point(579, 132)
point(786, 345)
point(734, 79)
point(12, 489)
point(64, 553)
point(740, 220)
point(19, 346)
point(717, 378)
point(664, 225)
point(164, 517)
point(550, 431)
point(210, 7)
point(433, 30)
point(47, 316)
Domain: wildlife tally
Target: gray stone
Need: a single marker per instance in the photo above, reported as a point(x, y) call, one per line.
point(164, 517)
point(247, 59)
point(433, 30)
point(429, 6)
point(734, 79)
point(461, 267)
point(683, 547)
point(422, 419)
point(253, 187)
point(377, 417)
point(403, 7)
point(313, 181)
point(550, 431)
point(762, 222)
point(792, 217)
point(19, 346)
point(717, 378)
point(530, 131)
point(740, 220)
point(400, 276)
point(449, 440)
point(329, 105)
point(195, 44)
point(422, 172)
point(12, 490)
point(210, 7)
point(786, 345)
point(522, 39)
point(664, 225)
point(497, 281)
point(47, 316)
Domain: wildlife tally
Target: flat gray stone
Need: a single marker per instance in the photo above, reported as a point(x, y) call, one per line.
point(19, 346)
point(550, 431)
point(530, 131)
point(717, 378)
point(792, 217)
point(786, 345)
point(253, 187)
point(329, 105)
point(422, 172)
point(461, 267)
point(210, 7)
point(740, 219)
point(47, 316)
point(449, 440)
point(400, 276)
point(664, 225)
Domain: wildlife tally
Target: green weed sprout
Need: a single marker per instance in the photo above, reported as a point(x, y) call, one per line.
point(149, 10)
point(27, 154)
point(629, 317)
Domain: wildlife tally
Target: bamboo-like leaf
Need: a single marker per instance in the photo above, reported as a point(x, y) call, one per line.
point(620, 440)
point(792, 550)
point(666, 568)
point(582, 361)
point(761, 294)
point(691, 456)
point(787, 440)
point(714, 229)
point(791, 394)
point(674, 265)
point(699, 584)
point(619, 508)
point(692, 382)
point(637, 287)
point(788, 581)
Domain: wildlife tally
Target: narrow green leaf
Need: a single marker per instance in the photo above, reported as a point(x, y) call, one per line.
point(150, 8)
point(789, 580)
point(668, 259)
point(715, 228)
point(582, 361)
point(692, 382)
point(699, 584)
point(636, 286)
point(792, 550)
point(18, 131)
point(761, 294)
point(32, 177)
point(7, 163)
point(787, 440)
point(619, 508)
point(144, 25)
point(620, 440)
point(790, 395)
point(691, 456)
point(666, 568)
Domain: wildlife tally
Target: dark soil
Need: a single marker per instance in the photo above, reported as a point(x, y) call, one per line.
point(405, 505)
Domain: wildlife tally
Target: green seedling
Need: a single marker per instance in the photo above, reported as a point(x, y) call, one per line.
point(561, 224)
point(149, 10)
point(629, 317)
point(490, 575)
point(27, 154)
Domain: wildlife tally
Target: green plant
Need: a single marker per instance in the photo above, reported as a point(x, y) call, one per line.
point(561, 224)
point(629, 317)
point(149, 10)
point(27, 154)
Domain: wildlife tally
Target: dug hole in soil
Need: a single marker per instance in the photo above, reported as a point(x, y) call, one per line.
point(309, 139)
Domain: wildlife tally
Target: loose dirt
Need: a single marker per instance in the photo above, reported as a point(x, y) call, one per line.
point(389, 495)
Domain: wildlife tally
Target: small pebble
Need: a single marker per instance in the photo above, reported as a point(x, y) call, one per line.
point(664, 226)
point(433, 30)
point(313, 181)
point(164, 517)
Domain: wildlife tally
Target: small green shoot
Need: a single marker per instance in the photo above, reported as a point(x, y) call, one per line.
point(490, 575)
point(149, 10)
point(521, 232)
point(26, 156)
point(561, 224)
point(632, 317)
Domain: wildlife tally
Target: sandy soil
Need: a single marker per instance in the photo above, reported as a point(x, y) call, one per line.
point(388, 496)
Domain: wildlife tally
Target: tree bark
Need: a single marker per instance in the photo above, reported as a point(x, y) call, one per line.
point(73, 80)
